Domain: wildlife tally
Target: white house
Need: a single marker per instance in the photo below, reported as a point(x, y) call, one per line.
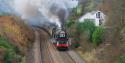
point(97, 16)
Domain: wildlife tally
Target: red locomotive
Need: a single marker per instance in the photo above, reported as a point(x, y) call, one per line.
point(61, 39)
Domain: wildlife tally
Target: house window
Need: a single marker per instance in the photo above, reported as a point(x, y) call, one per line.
point(100, 22)
point(98, 14)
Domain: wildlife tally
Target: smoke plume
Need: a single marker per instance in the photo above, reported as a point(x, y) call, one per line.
point(44, 12)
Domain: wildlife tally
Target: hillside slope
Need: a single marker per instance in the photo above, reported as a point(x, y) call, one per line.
point(17, 33)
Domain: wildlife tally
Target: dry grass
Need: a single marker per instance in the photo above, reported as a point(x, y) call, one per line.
point(87, 52)
point(103, 54)
point(89, 57)
point(16, 31)
point(107, 52)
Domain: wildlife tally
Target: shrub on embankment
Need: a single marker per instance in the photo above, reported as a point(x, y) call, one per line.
point(8, 50)
point(97, 36)
point(94, 33)
point(17, 37)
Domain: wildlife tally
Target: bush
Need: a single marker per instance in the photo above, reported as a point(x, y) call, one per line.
point(79, 28)
point(4, 43)
point(97, 36)
point(77, 11)
point(69, 23)
point(86, 26)
point(9, 49)
point(89, 25)
point(10, 53)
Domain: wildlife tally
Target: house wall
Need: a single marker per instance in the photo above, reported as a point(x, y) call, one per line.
point(93, 15)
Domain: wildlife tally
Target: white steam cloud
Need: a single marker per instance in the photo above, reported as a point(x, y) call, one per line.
point(39, 12)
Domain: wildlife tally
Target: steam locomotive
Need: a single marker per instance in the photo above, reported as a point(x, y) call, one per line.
point(61, 40)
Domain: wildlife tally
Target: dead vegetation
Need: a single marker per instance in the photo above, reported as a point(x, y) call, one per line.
point(19, 34)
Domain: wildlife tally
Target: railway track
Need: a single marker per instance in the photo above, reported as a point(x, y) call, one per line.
point(66, 57)
point(75, 57)
point(45, 51)
point(63, 55)
point(36, 48)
